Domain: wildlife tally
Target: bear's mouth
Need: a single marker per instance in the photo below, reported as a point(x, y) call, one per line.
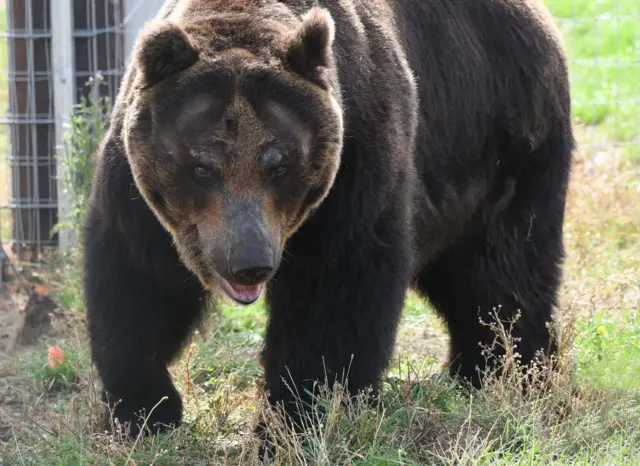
point(242, 294)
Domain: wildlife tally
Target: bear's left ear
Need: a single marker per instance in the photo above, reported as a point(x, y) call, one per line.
point(164, 49)
point(309, 51)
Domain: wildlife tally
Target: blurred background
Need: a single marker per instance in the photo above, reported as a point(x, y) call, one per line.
point(61, 61)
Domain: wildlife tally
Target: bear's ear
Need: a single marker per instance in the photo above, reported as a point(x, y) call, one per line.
point(309, 51)
point(163, 50)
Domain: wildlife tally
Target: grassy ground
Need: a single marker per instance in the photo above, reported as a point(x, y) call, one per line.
point(589, 415)
point(603, 41)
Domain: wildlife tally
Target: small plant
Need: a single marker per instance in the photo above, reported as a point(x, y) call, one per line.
point(608, 351)
point(58, 372)
point(87, 127)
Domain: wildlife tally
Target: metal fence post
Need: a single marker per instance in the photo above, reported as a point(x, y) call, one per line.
point(64, 98)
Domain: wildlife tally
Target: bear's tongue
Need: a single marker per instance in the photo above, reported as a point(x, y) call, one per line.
point(242, 293)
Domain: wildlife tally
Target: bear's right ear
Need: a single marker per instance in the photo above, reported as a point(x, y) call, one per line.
point(309, 50)
point(163, 50)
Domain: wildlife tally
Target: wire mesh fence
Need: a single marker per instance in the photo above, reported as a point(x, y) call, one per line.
point(27, 137)
point(28, 131)
point(602, 40)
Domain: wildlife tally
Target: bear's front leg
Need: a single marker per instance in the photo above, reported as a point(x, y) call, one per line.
point(141, 307)
point(334, 311)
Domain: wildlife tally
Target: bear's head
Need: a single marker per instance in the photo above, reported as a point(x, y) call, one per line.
point(233, 131)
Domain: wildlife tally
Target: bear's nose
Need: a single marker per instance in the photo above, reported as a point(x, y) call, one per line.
point(252, 275)
point(251, 265)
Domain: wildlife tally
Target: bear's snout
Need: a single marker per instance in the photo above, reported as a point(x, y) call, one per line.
point(251, 260)
point(241, 246)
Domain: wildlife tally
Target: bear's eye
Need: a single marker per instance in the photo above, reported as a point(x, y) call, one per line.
point(202, 172)
point(278, 171)
point(273, 162)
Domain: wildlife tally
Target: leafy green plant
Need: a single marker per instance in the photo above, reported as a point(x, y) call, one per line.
point(87, 127)
point(57, 369)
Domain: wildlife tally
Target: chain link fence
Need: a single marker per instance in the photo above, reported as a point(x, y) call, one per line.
point(50, 49)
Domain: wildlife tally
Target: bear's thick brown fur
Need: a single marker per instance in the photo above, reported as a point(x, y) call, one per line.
point(343, 151)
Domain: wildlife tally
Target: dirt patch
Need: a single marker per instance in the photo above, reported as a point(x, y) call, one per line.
point(38, 319)
point(13, 299)
point(26, 315)
point(13, 394)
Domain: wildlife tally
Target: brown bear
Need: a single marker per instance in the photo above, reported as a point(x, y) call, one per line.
point(329, 155)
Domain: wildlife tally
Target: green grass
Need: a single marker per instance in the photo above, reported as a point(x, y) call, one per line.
point(602, 39)
point(590, 413)
point(420, 418)
point(609, 350)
